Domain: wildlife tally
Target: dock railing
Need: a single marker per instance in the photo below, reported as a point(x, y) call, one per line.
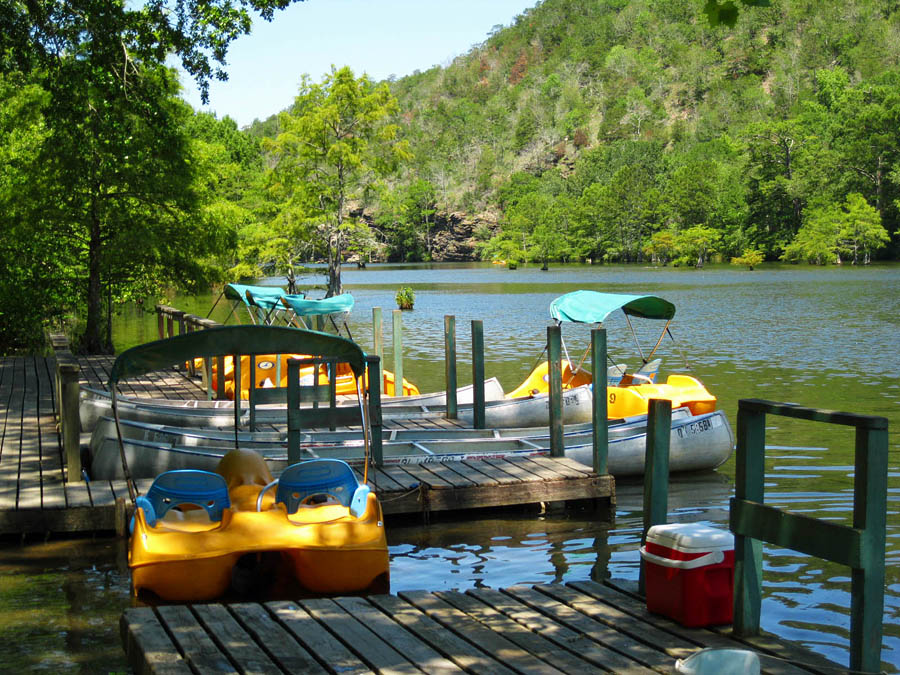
point(860, 546)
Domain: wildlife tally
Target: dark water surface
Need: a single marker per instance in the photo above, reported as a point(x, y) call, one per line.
point(820, 337)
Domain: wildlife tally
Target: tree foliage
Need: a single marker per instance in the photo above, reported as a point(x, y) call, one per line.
point(336, 142)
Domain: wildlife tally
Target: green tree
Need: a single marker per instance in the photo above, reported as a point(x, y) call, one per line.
point(661, 247)
point(817, 239)
point(696, 243)
point(336, 141)
point(861, 231)
point(113, 204)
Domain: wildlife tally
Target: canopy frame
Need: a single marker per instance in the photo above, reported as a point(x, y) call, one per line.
point(233, 341)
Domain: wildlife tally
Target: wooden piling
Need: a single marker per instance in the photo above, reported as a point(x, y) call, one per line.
point(450, 364)
point(656, 470)
point(599, 412)
point(397, 338)
point(478, 374)
point(554, 360)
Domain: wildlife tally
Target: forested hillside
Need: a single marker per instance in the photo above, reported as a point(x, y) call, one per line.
point(614, 130)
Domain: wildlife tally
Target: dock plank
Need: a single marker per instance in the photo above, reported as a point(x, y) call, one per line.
point(274, 639)
point(515, 632)
point(474, 631)
point(316, 639)
point(369, 645)
point(233, 640)
point(596, 652)
point(193, 642)
point(464, 654)
point(645, 654)
point(147, 645)
point(418, 652)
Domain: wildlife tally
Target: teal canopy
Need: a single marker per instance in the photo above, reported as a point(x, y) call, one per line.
point(261, 294)
point(594, 307)
point(234, 340)
point(305, 307)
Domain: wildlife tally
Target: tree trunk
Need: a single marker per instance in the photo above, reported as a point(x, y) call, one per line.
point(93, 343)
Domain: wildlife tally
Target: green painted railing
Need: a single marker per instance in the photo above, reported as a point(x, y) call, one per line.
point(860, 546)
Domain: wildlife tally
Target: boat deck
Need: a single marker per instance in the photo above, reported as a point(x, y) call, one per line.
point(578, 627)
point(35, 497)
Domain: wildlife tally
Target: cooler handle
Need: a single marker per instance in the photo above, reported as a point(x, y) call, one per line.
point(711, 558)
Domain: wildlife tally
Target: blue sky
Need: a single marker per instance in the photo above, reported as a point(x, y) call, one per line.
point(379, 37)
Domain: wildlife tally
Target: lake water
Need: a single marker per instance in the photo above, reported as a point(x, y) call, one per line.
point(820, 337)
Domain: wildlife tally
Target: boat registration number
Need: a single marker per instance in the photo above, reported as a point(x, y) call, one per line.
point(697, 427)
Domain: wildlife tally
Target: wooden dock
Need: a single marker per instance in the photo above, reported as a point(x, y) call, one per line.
point(37, 496)
point(579, 627)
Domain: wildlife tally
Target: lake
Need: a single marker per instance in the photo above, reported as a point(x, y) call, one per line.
point(819, 337)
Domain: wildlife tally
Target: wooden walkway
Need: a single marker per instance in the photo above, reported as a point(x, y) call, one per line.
point(579, 627)
point(35, 497)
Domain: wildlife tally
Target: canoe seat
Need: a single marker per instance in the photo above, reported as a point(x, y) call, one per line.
point(315, 480)
point(203, 489)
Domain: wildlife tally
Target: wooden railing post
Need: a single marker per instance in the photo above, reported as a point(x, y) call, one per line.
point(870, 490)
point(554, 362)
point(748, 484)
point(656, 470)
point(397, 338)
point(600, 414)
point(450, 364)
point(478, 416)
point(160, 322)
point(860, 547)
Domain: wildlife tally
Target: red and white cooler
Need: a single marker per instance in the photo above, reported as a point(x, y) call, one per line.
point(689, 573)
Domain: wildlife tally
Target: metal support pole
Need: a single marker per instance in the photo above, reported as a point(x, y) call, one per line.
point(478, 420)
point(450, 364)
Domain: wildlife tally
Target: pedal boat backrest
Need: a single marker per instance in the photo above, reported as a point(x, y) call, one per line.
point(646, 374)
point(204, 489)
point(332, 477)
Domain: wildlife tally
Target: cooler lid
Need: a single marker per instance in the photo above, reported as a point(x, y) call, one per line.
point(691, 537)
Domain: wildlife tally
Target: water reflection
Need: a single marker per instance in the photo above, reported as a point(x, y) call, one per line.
point(60, 604)
point(516, 548)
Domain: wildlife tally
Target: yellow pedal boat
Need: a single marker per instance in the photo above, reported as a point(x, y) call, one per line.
point(628, 393)
point(198, 534)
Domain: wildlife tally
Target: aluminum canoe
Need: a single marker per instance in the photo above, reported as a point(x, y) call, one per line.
point(697, 442)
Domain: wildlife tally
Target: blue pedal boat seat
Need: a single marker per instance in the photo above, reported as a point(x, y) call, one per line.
point(333, 477)
point(205, 489)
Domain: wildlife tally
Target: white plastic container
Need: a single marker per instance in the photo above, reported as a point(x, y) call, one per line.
point(719, 662)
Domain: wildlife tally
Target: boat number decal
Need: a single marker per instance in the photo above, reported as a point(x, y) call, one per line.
point(265, 365)
point(697, 427)
point(612, 397)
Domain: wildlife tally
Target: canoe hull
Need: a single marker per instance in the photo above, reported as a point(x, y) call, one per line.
point(697, 442)
point(96, 404)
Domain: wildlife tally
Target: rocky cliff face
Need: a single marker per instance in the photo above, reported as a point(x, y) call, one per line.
point(452, 233)
point(453, 238)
